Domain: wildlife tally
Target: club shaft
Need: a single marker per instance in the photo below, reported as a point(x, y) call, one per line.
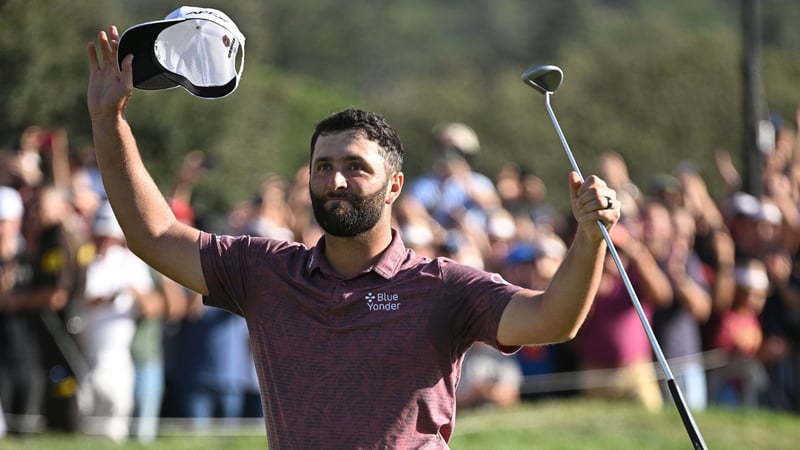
point(612, 249)
point(686, 416)
point(561, 136)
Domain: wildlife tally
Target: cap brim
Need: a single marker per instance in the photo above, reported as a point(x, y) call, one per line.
point(201, 91)
point(139, 41)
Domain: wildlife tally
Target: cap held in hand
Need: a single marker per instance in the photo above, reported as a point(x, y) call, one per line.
point(196, 48)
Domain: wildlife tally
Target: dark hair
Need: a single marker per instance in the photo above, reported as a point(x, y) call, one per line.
point(371, 125)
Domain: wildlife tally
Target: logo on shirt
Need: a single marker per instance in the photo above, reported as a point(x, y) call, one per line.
point(497, 278)
point(382, 301)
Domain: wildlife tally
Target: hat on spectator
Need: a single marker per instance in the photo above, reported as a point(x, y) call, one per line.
point(458, 136)
point(664, 183)
point(744, 204)
point(10, 203)
point(521, 253)
point(551, 246)
point(105, 223)
point(752, 274)
point(501, 224)
point(770, 212)
point(195, 48)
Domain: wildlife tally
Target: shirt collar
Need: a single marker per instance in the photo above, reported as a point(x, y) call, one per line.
point(387, 265)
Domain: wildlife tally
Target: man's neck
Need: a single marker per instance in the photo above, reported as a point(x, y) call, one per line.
point(351, 256)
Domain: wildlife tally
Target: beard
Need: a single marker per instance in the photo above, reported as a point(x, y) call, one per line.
point(348, 220)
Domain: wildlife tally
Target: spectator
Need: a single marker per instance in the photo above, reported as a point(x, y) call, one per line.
point(754, 225)
point(532, 264)
point(272, 216)
point(206, 358)
point(305, 228)
point(678, 325)
point(116, 282)
point(780, 323)
point(452, 192)
point(524, 194)
point(743, 379)
point(713, 242)
point(488, 378)
point(612, 338)
point(183, 305)
point(22, 379)
point(666, 189)
point(508, 182)
point(501, 234)
point(612, 167)
point(57, 261)
point(534, 192)
point(460, 245)
point(147, 354)
point(418, 229)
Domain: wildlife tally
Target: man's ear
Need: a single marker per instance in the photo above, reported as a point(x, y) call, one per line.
point(396, 181)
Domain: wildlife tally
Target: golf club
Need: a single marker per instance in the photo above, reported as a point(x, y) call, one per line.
point(546, 79)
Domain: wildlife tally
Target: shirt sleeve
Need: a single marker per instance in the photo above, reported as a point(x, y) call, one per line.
point(237, 269)
point(226, 270)
point(476, 299)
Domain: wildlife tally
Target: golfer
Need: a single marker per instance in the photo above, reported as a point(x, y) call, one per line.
point(357, 341)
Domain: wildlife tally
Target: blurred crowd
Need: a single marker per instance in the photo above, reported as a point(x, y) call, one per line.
point(93, 340)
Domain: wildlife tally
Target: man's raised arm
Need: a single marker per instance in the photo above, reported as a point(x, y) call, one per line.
point(556, 314)
point(150, 227)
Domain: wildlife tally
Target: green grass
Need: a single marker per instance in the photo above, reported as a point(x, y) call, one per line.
point(586, 424)
point(563, 424)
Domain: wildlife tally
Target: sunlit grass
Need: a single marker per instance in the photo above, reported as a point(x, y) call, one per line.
point(562, 424)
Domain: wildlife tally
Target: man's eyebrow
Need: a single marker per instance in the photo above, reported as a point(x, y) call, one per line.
point(346, 158)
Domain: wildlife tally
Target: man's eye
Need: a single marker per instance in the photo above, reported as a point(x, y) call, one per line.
point(356, 166)
point(323, 167)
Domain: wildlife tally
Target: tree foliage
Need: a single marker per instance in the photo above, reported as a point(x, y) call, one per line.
point(659, 82)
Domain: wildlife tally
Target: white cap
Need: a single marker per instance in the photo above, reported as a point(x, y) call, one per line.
point(417, 234)
point(752, 275)
point(501, 225)
point(459, 136)
point(742, 203)
point(192, 47)
point(10, 203)
point(753, 208)
point(105, 223)
point(770, 212)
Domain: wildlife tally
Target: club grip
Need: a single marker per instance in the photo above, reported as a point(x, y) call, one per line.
point(686, 416)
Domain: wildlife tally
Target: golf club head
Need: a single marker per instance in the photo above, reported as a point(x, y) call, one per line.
point(543, 78)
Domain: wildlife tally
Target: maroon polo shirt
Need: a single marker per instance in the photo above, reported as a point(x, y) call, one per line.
point(366, 362)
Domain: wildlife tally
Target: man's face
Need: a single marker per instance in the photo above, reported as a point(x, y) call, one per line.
point(349, 185)
point(657, 228)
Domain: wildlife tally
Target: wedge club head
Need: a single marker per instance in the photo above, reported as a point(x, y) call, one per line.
point(543, 78)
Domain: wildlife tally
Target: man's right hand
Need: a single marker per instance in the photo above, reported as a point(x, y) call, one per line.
point(109, 87)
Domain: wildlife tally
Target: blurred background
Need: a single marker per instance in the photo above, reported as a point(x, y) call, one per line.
point(657, 82)
point(693, 101)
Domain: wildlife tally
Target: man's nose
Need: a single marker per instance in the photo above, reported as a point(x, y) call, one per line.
point(338, 181)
